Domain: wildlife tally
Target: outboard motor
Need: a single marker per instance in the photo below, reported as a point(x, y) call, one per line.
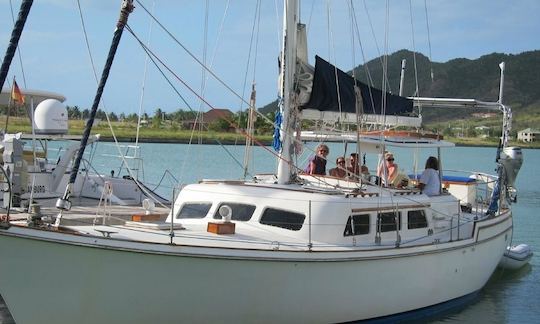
point(511, 159)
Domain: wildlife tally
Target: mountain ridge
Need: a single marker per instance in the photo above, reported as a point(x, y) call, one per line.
point(458, 78)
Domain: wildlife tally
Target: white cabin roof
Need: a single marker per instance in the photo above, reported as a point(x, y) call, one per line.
point(37, 95)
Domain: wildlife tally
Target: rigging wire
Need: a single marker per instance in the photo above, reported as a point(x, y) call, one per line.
point(332, 48)
point(123, 158)
point(366, 68)
point(376, 43)
point(358, 94)
point(255, 25)
point(385, 60)
point(19, 54)
point(153, 58)
point(217, 78)
point(200, 112)
point(141, 100)
point(214, 54)
point(310, 16)
point(429, 42)
point(156, 59)
point(380, 162)
point(278, 34)
point(208, 69)
point(232, 123)
point(200, 63)
point(249, 115)
point(414, 50)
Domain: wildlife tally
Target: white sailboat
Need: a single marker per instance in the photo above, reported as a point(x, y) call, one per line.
point(280, 248)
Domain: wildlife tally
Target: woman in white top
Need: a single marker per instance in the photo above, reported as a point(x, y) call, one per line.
point(429, 182)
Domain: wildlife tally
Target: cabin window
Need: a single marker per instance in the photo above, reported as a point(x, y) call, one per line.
point(240, 212)
point(282, 218)
point(416, 219)
point(194, 210)
point(387, 221)
point(357, 225)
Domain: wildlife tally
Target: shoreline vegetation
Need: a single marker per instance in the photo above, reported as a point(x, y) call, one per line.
point(126, 132)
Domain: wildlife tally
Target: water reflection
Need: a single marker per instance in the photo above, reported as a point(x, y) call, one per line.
point(5, 316)
point(494, 301)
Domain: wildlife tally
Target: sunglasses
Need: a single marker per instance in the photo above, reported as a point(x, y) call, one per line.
point(323, 151)
point(389, 159)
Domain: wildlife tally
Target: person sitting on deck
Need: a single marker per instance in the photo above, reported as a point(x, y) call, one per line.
point(388, 170)
point(353, 169)
point(317, 164)
point(339, 171)
point(429, 182)
point(364, 172)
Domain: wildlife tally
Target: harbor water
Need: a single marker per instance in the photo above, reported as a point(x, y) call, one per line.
point(509, 296)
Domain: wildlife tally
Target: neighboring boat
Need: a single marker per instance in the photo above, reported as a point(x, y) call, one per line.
point(288, 247)
point(35, 175)
point(516, 256)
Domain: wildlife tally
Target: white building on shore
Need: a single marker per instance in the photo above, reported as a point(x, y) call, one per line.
point(528, 135)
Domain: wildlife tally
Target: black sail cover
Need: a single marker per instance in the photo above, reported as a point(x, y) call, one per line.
point(324, 96)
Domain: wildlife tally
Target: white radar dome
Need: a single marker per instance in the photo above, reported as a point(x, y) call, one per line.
point(51, 117)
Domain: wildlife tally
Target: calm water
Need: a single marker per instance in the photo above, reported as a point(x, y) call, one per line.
point(509, 297)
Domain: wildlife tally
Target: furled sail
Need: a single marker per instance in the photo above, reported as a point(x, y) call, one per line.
point(327, 103)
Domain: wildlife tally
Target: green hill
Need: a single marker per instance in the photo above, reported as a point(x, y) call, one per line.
point(463, 78)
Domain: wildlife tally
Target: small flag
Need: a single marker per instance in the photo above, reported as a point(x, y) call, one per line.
point(16, 94)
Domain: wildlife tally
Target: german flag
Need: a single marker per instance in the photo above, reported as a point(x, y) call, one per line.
point(16, 94)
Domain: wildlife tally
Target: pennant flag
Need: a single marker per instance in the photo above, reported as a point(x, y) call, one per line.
point(16, 94)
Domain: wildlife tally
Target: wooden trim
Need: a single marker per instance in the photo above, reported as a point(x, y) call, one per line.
point(360, 210)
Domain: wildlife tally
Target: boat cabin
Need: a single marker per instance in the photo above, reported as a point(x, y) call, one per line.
point(304, 216)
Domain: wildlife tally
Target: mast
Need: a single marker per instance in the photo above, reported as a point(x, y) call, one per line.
point(14, 40)
point(126, 8)
point(501, 85)
point(287, 71)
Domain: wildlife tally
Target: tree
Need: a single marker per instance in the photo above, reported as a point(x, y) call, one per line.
point(73, 112)
point(132, 117)
point(113, 117)
point(220, 125)
point(241, 118)
point(157, 119)
point(100, 114)
point(263, 125)
point(182, 115)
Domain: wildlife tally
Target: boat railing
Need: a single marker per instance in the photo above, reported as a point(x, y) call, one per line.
point(5, 184)
point(473, 189)
point(453, 227)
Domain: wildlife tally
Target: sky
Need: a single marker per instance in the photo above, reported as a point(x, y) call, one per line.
point(53, 54)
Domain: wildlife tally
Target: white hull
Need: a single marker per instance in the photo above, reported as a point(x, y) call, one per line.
point(289, 248)
point(124, 191)
point(106, 281)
